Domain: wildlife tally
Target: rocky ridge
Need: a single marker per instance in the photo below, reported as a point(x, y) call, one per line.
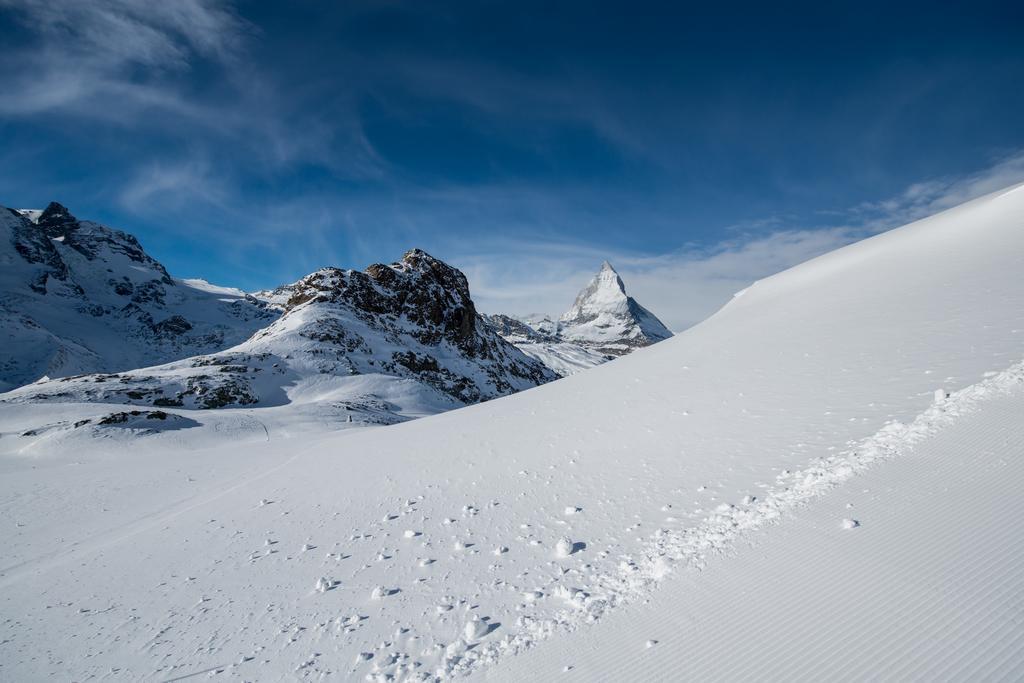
point(377, 344)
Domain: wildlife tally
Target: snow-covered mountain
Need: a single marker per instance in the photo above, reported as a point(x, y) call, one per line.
point(380, 345)
point(604, 317)
point(603, 323)
point(77, 297)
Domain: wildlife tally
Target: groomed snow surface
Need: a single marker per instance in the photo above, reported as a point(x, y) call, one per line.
point(818, 482)
point(909, 570)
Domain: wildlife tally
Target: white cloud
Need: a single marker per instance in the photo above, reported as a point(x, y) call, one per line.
point(164, 186)
point(930, 197)
point(111, 52)
point(131, 63)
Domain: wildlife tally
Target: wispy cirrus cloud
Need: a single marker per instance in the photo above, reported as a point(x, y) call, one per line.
point(173, 184)
point(163, 72)
point(931, 196)
point(86, 52)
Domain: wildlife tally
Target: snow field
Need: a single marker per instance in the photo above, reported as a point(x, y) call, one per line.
point(928, 589)
point(154, 563)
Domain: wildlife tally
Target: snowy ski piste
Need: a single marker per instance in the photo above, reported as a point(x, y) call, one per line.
point(817, 482)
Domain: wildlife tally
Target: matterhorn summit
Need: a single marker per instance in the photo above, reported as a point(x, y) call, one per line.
point(610, 320)
point(603, 323)
point(605, 294)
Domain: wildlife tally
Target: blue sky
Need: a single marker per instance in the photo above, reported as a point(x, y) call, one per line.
point(696, 147)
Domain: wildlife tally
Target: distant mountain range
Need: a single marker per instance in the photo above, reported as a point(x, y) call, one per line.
point(89, 317)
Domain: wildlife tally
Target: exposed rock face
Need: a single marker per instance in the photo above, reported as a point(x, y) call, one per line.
point(602, 324)
point(429, 293)
point(92, 241)
point(420, 305)
point(76, 296)
point(513, 328)
point(36, 248)
point(410, 325)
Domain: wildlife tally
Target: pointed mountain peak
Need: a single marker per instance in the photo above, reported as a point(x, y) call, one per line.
point(436, 271)
point(414, 261)
point(604, 314)
point(606, 279)
point(56, 214)
point(56, 220)
point(417, 255)
point(605, 293)
point(54, 209)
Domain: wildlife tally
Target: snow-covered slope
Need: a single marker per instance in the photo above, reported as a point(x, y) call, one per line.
point(602, 324)
point(909, 571)
point(564, 357)
point(446, 545)
point(376, 346)
point(76, 297)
